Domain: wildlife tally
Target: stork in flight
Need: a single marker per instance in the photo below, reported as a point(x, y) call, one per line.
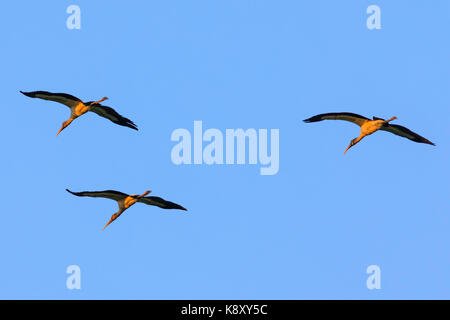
point(125, 201)
point(78, 108)
point(370, 126)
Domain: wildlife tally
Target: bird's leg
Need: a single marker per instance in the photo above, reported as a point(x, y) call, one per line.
point(103, 99)
point(135, 196)
point(65, 125)
point(144, 194)
point(393, 118)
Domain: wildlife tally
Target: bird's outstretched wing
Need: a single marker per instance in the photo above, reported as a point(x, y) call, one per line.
point(160, 202)
point(347, 116)
point(63, 98)
point(405, 132)
point(109, 194)
point(111, 114)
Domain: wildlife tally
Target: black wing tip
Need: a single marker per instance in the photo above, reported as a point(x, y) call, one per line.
point(171, 205)
point(78, 194)
point(32, 94)
point(167, 205)
point(412, 135)
point(121, 120)
point(313, 119)
point(28, 94)
point(163, 204)
point(128, 124)
point(321, 116)
point(423, 140)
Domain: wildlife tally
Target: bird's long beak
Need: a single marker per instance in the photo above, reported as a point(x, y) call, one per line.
point(103, 99)
point(110, 220)
point(113, 217)
point(64, 125)
point(349, 146)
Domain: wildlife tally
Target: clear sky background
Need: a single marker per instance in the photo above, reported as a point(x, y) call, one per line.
point(309, 231)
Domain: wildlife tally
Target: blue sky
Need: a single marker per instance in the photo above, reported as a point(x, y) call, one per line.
point(308, 232)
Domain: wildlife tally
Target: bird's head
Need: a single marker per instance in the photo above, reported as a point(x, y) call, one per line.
point(352, 143)
point(113, 217)
point(65, 124)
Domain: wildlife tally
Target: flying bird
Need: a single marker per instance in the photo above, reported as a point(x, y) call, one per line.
point(370, 126)
point(125, 201)
point(78, 108)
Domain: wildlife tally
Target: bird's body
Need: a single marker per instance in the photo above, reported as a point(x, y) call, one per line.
point(125, 201)
point(369, 126)
point(78, 108)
